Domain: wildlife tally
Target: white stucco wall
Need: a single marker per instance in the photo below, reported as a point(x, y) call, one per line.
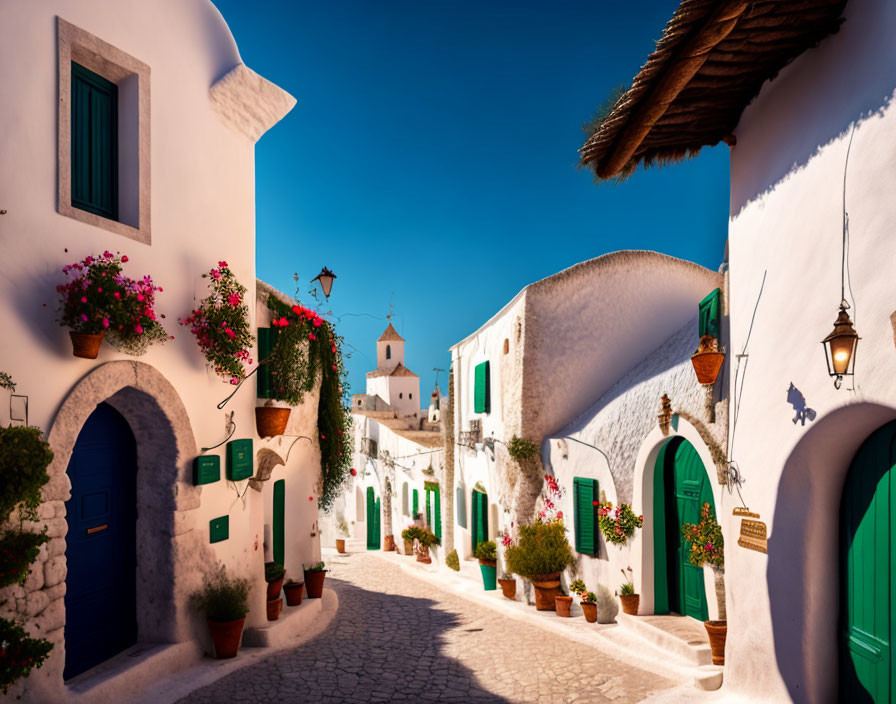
point(787, 180)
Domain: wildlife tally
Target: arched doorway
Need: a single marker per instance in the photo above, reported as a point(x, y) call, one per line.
point(867, 587)
point(680, 487)
point(373, 520)
point(101, 544)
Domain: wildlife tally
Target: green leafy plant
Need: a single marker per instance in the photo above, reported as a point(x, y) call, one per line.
point(486, 550)
point(542, 549)
point(453, 561)
point(273, 571)
point(17, 551)
point(294, 581)
point(222, 598)
point(619, 524)
point(24, 458)
point(588, 598)
point(429, 538)
point(413, 533)
point(521, 449)
point(705, 538)
point(19, 653)
point(6, 382)
point(627, 588)
point(221, 325)
point(316, 567)
point(577, 587)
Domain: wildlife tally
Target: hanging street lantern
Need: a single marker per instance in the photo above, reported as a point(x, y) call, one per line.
point(840, 347)
point(325, 278)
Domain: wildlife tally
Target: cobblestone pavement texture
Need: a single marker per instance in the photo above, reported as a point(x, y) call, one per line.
point(396, 638)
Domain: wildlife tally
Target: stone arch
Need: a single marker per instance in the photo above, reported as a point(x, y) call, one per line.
point(803, 548)
point(165, 495)
point(642, 550)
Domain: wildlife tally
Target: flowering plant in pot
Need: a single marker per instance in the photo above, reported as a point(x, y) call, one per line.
point(619, 524)
point(293, 590)
point(588, 600)
point(707, 547)
point(273, 575)
point(98, 301)
point(540, 555)
point(630, 600)
point(314, 580)
point(221, 325)
point(409, 535)
point(225, 602)
point(487, 554)
point(508, 585)
point(342, 528)
point(424, 542)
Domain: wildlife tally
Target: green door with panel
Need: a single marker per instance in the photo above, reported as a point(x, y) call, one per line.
point(479, 518)
point(868, 572)
point(373, 520)
point(681, 487)
point(279, 527)
point(433, 509)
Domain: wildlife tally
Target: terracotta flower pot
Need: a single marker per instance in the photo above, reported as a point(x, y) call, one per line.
point(389, 543)
point(275, 606)
point(226, 636)
point(489, 569)
point(314, 583)
point(423, 555)
point(293, 591)
point(340, 546)
point(563, 604)
point(590, 611)
point(271, 421)
point(707, 360)
point(547, 587)
point(630, 603)
point(408, 547)
point(274, 588)
point(508, 586)
point(717, 632)
point(86, 345)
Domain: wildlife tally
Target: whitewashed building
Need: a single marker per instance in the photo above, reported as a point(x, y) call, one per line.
point(186, 113)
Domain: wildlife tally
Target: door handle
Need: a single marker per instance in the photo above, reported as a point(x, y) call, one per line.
point(97, 529)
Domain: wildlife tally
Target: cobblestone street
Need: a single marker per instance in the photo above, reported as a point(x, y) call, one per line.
point(396, 638)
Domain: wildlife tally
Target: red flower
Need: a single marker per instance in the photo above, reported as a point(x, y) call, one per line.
point(124, 257)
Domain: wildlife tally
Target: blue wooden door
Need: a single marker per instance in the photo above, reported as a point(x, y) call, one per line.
point(868, 579)
point(101, 595)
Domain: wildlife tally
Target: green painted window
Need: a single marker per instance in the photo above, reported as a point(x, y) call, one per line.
point(433, 508)
point(479, 518)
point(267, 338)
point(584, 493)
point(711, 315)
point(482, 393)
point(94, 148)
point(416, 503)
point(278, 529)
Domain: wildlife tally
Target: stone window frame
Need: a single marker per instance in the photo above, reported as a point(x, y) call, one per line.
point(76, 44)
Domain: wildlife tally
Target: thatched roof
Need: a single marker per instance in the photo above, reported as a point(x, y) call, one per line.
point(711, 61)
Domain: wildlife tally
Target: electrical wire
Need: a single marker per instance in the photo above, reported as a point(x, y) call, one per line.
point(845, 279)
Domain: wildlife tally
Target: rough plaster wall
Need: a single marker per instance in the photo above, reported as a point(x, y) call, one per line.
point(448, 483)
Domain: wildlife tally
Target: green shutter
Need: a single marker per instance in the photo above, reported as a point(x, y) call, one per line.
point(278, 529)
point(479, 527)
point(428, 510)
point(710, 315)
point(94, 148)
point(373, 542)
point(437, 518)
point(461, 501)
point(584, 494)
point(416, 504)
point(482, 394)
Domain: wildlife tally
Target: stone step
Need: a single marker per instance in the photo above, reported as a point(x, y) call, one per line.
point(680, 636)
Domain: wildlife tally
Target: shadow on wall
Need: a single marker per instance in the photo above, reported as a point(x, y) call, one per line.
point(852, 73)
point(803, 569)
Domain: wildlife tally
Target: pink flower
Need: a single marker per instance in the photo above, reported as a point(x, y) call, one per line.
point(83, 317)
point(234, 299)
point(230, 333)
point(138, 328)
point(234, 380)
point(124, 257)
point(117, 295)
point(99, 289)
point(215, 274)
point(105, 322)
point(83, 299)
point(311, 336)
point(222, 264)
point(317, 322)
point(354, 472)
point(559, 514)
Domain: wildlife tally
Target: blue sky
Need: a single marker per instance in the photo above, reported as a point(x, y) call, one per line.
point(431, 159)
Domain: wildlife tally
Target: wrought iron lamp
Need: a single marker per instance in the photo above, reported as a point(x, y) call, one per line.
point(325, 279)
point(840, 346)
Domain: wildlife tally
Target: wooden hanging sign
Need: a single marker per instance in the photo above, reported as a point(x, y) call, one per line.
point(744, 512)
point(753, 535)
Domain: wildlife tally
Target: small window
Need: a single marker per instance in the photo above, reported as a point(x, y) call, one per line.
point(482, 393)
point(400, 395)
point(388, 351)
point(506, 346)
point(584, 494)
point(410, 395)
point(359, 403)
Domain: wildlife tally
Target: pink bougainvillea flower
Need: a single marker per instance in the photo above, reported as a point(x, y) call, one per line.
point(311, 336)
point(234, 380)
point(311, 498)
point(138, 328)
point(105, 322)
point(317, 322)
point(124, 257)
point(335, 368)
point(559, 514)
point(83, 317)
point(222, 264)
point(354, 472)
point(83, 299)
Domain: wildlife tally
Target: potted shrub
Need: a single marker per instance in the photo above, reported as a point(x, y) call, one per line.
point(562, 605)
point(225, 603)
point(708, 548)
point(273, 575)
point(630, 600)
point(508, 585)
point(619, 524)
point(427, 539)
point(314, 580)
point(409, 535)
point(588, 600)
point(221, 325)
point(342, 527)
point(541, 554)
point(487, 554)
point(607, 606)
point(293, 591)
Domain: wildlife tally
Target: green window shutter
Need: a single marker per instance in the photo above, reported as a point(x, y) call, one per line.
point(710, 315)
point(94, 148)
point(461, 501)
point(267, 338)
point(584, 494)
point(482, 393)
point(437, 517)
point(428, 510)
point(278, 529)
point(416, 503)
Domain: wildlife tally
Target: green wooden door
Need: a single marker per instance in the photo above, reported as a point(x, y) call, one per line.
point(278, 529)
point(373, 542)
point(377, 516)
point(681, 487)
point(868, 582)
point(428, 511)
point(437, 513)
point(479, 518)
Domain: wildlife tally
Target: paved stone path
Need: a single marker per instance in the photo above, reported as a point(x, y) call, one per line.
point(396, 638)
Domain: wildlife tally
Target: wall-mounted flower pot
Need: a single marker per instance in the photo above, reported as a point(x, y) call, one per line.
point(274, 588)
point(508, 586)
point(314, 583)
point(271, 421)
point(85, 345)
point(293, 591)
point(630, 603)
point(590, 611)
point(226, 636)
point(547, 587)
point(707, 360)
point(563, 605)
point(340, 546)
point(275, 606)
point(717, 632)
point(489, 569)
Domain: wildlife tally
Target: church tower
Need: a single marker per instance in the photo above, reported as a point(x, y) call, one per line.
point(389, 349)
point(393, 382)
